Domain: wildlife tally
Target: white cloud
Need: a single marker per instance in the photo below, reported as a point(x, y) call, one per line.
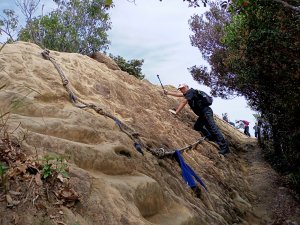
point(158, 32)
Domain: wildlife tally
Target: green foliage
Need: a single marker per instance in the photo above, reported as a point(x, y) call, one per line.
point(208, 38)
point(53, 165)
point(294, 179)
point(133, 67)
point(75, 26)
point(108, 3)
point(257, 56)
point(264, 55)
point(3, 169)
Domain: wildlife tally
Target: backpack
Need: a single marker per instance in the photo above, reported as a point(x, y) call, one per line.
point(246, 122)
point(205, 99)
point(199, 101)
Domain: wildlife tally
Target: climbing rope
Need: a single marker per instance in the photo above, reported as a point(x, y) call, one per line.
point(138, 144)
point(75, 100)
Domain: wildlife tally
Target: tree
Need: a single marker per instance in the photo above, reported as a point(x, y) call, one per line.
point(257, 54)
point(28, 7)
point(293, 5)
point(133, 67)
point(208, 31)
point(263, 41)
point(8, 24)
point(75, 26)
point(193, 3)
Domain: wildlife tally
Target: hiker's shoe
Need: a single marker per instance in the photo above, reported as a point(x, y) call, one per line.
point(209, 138)
point(224, 151)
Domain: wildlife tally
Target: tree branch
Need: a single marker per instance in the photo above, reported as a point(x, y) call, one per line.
point(296, 8)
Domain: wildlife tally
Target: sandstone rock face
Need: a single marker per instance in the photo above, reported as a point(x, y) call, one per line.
point(117, 184)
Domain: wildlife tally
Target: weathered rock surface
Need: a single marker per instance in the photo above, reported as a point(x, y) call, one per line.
point(118, 185)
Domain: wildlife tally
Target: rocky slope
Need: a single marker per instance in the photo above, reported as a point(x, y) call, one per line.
point(115, 183)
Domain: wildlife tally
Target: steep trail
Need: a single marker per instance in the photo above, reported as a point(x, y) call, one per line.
point(110, 182)
point(273, 202)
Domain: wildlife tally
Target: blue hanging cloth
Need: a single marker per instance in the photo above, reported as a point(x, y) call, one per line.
point(187, 172)
point(138, 147)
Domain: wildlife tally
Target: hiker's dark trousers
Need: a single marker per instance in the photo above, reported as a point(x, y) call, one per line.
point(207, 126)
point(246, 131)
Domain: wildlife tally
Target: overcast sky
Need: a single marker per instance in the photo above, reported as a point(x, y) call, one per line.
point(158, 32)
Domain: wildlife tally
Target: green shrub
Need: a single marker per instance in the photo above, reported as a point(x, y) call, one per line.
point(133, 67)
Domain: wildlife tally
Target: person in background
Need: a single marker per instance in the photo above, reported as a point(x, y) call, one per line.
point(205, 122)
point(246, 126)
point(256, 129)
point(225, 117)
point(232, 123)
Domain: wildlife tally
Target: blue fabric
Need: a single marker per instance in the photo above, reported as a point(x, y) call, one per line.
point(187, 172)
point(73, 97)
point(138, 147)
point(118, 122)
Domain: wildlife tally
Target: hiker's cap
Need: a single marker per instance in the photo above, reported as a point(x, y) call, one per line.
point(182, 86)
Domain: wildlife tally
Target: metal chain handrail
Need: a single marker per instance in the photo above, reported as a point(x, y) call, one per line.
point(161, 152)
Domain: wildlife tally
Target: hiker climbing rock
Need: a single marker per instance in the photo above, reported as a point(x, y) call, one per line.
point(225, 118)
point(199, 102)
point(246, 126)
point(256, 129)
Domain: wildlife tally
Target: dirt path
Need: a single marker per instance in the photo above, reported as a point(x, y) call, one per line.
point(273, 202)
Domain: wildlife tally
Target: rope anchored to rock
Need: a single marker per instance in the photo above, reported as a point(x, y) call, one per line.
point(138, 144)
point(81, 104)
point(187, 173)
